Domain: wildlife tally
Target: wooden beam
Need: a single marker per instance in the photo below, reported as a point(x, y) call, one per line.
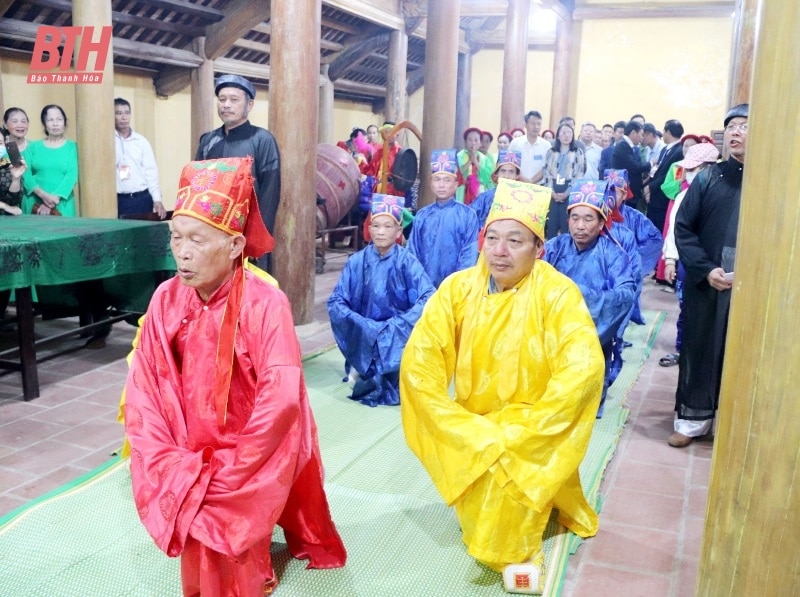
point(370, 72)
point(4, 6)
point(343, 27)
point(248, 44)
point(240, 17)
point(369, 12)
point(355, 54)
point(171, 80)
point(25, 31)
point(654, 11)
point(415, 81)
point(247, 69)
point(240, 67)
point(124, 18)
point(469, 8)
point(154, 53)
point(484, 8)
point(189, 8)
point(558, 7)
point(497, 38)
point(409, 63)
point(324, 44)
point(347, 86)
point(421, 32)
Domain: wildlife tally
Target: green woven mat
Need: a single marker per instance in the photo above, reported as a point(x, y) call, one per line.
point(86, 538)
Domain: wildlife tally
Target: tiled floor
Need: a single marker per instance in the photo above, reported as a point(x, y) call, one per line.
point(654, 496)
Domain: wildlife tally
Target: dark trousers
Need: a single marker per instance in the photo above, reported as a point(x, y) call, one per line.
point(557, 220)
point(132, 204)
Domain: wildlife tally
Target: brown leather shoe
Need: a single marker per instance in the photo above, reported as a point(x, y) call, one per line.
point(679, 440)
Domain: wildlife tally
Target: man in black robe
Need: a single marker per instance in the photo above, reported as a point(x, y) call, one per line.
point(237, 138)
point(705, 234)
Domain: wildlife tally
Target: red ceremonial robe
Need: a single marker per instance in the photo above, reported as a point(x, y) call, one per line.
point(211, 494)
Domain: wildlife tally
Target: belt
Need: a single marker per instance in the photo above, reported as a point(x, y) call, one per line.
point(135, 195)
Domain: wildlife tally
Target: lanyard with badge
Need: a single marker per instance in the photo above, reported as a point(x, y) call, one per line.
point(123, 169)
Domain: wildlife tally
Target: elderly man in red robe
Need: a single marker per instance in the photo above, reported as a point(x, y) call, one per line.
point(223, 441)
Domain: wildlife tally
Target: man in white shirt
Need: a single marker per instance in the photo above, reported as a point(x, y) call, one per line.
point(652, 144)
point(138, 191)
point(532, 147)
point(591, 150)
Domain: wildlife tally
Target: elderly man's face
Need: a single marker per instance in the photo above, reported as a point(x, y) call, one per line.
point(233, 106)
point(204, 255)
point(384, 232)
point(585, 225)
point(510, 250)
point(736, 137)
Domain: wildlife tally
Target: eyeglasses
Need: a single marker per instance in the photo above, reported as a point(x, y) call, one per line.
point(742, 128)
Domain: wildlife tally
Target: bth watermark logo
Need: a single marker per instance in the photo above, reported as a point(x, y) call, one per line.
point(58, 44)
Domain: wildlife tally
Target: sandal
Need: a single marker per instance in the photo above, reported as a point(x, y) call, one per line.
point(669, 360)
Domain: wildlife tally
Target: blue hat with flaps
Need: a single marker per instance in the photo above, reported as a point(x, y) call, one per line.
point(444, 160)
point(590, 193)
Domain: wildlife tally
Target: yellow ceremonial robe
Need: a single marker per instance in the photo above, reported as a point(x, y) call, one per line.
point(528, 373)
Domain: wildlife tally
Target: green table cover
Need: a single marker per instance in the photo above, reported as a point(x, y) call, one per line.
point(46, 251)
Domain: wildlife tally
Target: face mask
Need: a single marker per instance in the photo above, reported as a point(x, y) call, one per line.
point(690, 176)
point(3, 152)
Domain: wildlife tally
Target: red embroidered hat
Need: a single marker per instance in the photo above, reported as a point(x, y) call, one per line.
point(221, 193)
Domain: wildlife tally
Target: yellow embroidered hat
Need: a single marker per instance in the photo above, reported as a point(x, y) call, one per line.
point(221, 193)
point(521, 201)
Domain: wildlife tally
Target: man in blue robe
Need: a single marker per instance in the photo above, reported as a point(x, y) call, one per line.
point(648, 237)
point(618, 230)
point(445, 233)
point(598, 265)
point(377, 301)
point(508, 166)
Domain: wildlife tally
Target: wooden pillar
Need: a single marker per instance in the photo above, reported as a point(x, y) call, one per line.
point(744, 45)
point(325, 127)
point(515, 64)
point(441, 67)
point(203, 98)
point(94, 121)
point(294, 90)
point(751, 541)
point(395, 110)
point(463, 98)
point(562, 72)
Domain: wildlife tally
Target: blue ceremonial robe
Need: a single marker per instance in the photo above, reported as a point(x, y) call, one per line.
point(372, 310)
point(648, 237)
point(445, 239)
point(604, 275)
point(482, 205)
point(626, 239)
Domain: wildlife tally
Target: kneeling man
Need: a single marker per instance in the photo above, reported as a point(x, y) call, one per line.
point(377, 301)
point(223, 441)
point(598, 265)
point(518, 341)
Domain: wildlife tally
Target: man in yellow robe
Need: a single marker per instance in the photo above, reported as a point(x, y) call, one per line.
point(518, 339)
